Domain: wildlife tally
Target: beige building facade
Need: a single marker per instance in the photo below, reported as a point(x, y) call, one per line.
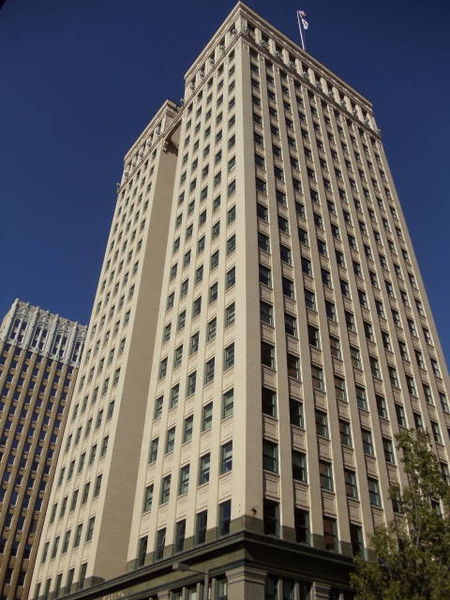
point(39, 358)
point(276, 338)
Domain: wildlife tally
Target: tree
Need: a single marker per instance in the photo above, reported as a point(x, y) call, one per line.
point(411, 557)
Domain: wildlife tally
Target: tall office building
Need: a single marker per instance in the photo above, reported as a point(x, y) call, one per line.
point(39, 358)
point(260, 334)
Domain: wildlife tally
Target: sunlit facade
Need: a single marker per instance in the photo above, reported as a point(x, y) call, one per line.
point(261, 332)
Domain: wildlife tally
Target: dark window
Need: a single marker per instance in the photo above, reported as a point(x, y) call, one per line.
point(271, 518)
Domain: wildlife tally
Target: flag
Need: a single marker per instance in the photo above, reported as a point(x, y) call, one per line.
point(302, 15)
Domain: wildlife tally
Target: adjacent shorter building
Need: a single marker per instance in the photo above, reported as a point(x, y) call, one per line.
point(39, 358)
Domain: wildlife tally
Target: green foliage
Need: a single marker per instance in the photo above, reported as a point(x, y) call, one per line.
point(411, 557)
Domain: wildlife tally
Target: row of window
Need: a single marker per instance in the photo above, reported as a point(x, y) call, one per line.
point(188, 424)
point(201, 522)
point(314, 78)
point(265, 277)
point(61, 588)
point(204, 469)
point(82, 461)
point(79, 493)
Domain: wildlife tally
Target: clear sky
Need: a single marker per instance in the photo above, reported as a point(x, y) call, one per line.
point(79, 80)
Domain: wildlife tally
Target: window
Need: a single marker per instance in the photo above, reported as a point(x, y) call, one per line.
point(351, 488)
point(321, 423)
point(361, 399)
point(196, 307)
point(266, 313)
point(388, 451)
point(163, 368)
point(268, 355)
point(183, 483)
point(288, 287)
point(374, 492)
point(227, 403)
point(211, 329)
point(322, 247)
point(270, 456)
point(262, 212)
point(187, 428)
point(301, 526)
point(335, 347)
point(418, 421)
point(174, 395)
point(191, 383)
point(230, 278)
point(310, 299)
point(265, 275)
point(170, 440)
point(393, 376)
point(367, 443)
point(326, 277)
point(214, 262)
point(77, 538)
point(269, 402)
point(400, 412)
point(381, 406)
point(204, 468)
point(444, 403)
point(231, 215)
point(313, 336)
point(355, 357)
point(318, 382)
point(436, 432)
point(153, 453)
point(142, 551)
point(165, 490)
point(293, 366)
point(231, 244)
point(224, 517)
point(271, 518)
point(209, 370)
point(350, 321)
point(330, 310)
point(226, 458)
point(285, 254)
point(177, 356)
point(296, 413)
point(261, 185)
point(228, 357)
point(207, 413)
point(299, 472)
point(180, 533)
point(356, 538)
point(339, 388)
point(148, 498)
point(435, 368)
point(345, 433)
point(306, 266)
point(290, 324)
point(340, 258)
point(181, 320)
point(160, 543)
point(326, 475)
point(411, 385)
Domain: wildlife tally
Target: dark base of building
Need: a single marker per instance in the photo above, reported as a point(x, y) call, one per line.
point(240, 566)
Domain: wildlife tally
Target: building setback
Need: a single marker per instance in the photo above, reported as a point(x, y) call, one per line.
point(39, 358)
point(259, 335)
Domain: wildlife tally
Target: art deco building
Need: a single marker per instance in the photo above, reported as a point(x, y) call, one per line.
point(260, 334)
point(39, 358)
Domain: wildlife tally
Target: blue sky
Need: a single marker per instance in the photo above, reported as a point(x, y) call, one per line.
point(81, 78)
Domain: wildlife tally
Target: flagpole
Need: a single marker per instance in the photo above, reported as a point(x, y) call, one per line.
point(300, 29)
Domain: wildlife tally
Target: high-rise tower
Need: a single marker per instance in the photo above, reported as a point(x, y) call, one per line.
point(39, 358)
point(259, 254)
